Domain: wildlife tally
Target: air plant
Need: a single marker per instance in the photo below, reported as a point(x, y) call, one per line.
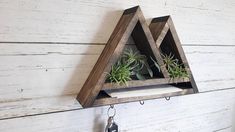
point(174, 69)
point(177, 71)
point(131, 64)
point(120, 73)
point(136, 62)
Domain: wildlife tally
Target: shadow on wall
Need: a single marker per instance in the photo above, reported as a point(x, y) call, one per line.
point(78, 78)
point(98, 123)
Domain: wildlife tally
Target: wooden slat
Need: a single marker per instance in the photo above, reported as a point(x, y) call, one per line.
point(178, 114)
point(159, 28)
point(23, 66)
point(148, 82)
point(109, 100)
point(60, 73)
point(73, 21)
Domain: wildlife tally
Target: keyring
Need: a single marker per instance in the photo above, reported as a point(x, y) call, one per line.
point(141, 102)
point(167, 98)
point(113, 111)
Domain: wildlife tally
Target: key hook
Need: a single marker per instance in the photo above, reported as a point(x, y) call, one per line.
point(111, 111)
point(141, 102)
point(167, 98)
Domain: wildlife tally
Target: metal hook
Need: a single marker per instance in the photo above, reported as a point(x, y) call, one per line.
point(109, 111)
point(111, 106)
point(167, 98)
point(141, 102)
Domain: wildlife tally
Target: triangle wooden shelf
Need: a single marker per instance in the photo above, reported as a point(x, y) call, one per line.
point(159, 37)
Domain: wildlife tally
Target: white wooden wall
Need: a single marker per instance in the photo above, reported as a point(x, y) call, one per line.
point(48, 48)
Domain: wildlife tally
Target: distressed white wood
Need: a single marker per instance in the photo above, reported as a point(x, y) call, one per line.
point(197, 22)
point(46, 71)
point(42, 78)
point(38, 106)
point(32, 74)
point(212, 66)
point(203, 112)
point(16, 49)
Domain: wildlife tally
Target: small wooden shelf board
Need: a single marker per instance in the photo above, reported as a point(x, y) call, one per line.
point(159, 37)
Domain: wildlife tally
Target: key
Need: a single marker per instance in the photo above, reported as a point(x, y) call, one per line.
point(113, 128)
point(111, 125)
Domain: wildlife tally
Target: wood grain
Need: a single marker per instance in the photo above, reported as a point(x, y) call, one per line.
point(68, 36)
point(168, 42)
point(203, 109)
point(114, 100)
point(108, 57)
point(132, 23)
point(148, 82)
point(71, 70)
point(145, 43)
point(34, 21)
point(159, 29)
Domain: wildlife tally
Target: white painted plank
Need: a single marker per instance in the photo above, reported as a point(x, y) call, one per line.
point(212, 66)
point(43, 75)
point(93, 21)
point(51, 71)
point(202, 112)
point(38, 78)
point(16, 49)
point(38, 106)
point(31, 77)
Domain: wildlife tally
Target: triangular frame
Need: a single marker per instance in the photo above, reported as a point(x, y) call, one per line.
point(132, 23)
point(162, 28)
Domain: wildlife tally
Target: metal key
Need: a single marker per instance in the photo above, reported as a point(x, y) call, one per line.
point(111, 125)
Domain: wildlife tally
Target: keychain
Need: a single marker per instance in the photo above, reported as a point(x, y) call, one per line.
point(111, 125)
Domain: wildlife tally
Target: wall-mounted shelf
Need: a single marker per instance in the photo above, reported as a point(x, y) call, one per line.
point(148, 82)
point(159, 37)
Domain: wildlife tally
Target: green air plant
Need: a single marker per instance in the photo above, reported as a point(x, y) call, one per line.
point(131, 64)
point(120, 73)
point(136, 62)
point(175, 69)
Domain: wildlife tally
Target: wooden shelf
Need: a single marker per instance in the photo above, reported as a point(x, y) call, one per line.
point(110, 100)
point(159, 37)
point(148, 82)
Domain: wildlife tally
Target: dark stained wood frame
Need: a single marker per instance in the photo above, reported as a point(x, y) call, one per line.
point(163, 28)
point(132, 23)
